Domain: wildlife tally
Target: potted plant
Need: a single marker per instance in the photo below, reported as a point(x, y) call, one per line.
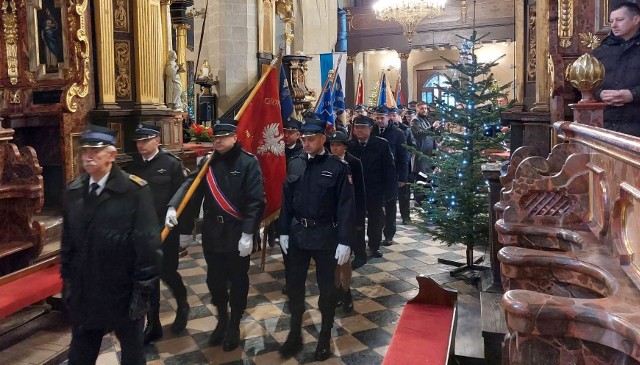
point(200, 133)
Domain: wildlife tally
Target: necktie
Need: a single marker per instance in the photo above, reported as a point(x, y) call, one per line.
point(363, 144)
point(93, 193)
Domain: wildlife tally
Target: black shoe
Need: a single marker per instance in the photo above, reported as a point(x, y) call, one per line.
point(347, 301)
point(387, 243)
point(323, 350)
point(358, 262)
point(271, 242)
point(291, 346)
point(339, 297)
point(376, 253)
point(183, 252)
point(284, 289)
point(152, 332)
point(232, 338)
point(182, 316)
point(406, 221)
point(218, 333)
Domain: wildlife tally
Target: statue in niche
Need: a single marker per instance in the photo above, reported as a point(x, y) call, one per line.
point(173, 85)
point(49, 20)
point(204, 73)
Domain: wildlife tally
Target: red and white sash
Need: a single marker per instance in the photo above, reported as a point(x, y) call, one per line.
point(219, 197)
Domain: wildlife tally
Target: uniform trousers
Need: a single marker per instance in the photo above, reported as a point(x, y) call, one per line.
point(375, 222)
point(169, 270)
point(223, 267)
point(404, 197)
point(85, 343)
point(359, 244)
point(390, 210)
point(299, 259)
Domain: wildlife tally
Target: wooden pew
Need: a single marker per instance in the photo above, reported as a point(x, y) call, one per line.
point(424, 335)
point(570, 266)
point(21, 239)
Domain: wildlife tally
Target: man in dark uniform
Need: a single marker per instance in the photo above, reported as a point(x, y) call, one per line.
point(339, 143)
point(404, 191)
point(379, 177)
point(110, 250)
point(293, 147)
point(316, 221)
point(163, 171)
point(233, 205)
point(389, 131)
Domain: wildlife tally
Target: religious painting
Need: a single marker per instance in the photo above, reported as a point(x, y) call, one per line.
point(47, 38)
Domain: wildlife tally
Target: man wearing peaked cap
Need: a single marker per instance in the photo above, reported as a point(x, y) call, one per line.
point(110, 249)
point(387, 129)
point(379, 180)
point(164, 173)
point(316, 221)
point(233, 200)
point(339, 143)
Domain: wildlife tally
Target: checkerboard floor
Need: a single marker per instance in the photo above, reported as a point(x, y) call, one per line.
point(380, 290)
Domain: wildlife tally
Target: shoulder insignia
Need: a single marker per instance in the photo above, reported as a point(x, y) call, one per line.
point(138, 180)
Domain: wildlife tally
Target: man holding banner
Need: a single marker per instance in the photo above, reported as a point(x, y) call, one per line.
point(233, 205)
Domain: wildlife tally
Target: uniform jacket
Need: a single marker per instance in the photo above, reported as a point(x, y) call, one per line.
point(290, 153)
point(110, 248)
point(397, 140)
point(358, 188)
point(621, 60)
point(318, 189)
point(240, 179)
point(377, 167)
point(165, 176)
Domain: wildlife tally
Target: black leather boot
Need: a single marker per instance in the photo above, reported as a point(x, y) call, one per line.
point(347, 301)
point(232, 338)
point(223, 322)
point(293, 344)
point(182, 316)
point(153, 330)
point(339, 296)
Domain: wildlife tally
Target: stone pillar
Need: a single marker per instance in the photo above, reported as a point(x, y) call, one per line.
point(542, 54)
point(181, 51)
point(404, 75)
point(165, 14)
point(348, 83)
point(147, 34)
point(520, 52)
point(105, 70)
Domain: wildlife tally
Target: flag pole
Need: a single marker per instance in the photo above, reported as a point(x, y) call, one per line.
point(324, 87)
point(335, 73)
point(205, 166)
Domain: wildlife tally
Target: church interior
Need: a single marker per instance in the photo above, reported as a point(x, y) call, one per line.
point(557, 281)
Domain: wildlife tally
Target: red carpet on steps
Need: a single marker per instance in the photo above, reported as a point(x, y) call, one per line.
point(29, 290)
point(421, 336)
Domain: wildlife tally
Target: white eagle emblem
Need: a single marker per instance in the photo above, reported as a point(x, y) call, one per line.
point(271, 141)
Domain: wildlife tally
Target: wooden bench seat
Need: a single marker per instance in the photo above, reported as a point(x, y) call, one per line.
point(424, 335)
point(28, 286)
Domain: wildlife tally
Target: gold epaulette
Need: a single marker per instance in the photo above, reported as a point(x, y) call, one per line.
point(138, 180)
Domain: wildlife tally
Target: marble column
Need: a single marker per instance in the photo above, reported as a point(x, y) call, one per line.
point(542, 54)
point(348, 83)
point(105, 70)
point(404, 75)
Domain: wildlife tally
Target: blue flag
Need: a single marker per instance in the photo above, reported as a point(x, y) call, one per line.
point(286, 102)
point(325, 112)
point(382, 94)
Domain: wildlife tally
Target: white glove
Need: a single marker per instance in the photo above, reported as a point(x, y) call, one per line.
point(284, 243)
point(185, 240)
point(171, 219)
point(343, 254)
point(245, 245)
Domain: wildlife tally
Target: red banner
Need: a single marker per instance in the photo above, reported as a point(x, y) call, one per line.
point(260, 132)
point(360, 91)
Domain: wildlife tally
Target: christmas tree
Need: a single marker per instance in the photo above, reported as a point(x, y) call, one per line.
point(456, 207)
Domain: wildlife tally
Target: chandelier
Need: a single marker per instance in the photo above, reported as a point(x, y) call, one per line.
point(409, 13)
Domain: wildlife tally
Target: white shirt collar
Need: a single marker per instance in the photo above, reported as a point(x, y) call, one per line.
point(152, 157)
point(318, 154)
point(102, 182)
